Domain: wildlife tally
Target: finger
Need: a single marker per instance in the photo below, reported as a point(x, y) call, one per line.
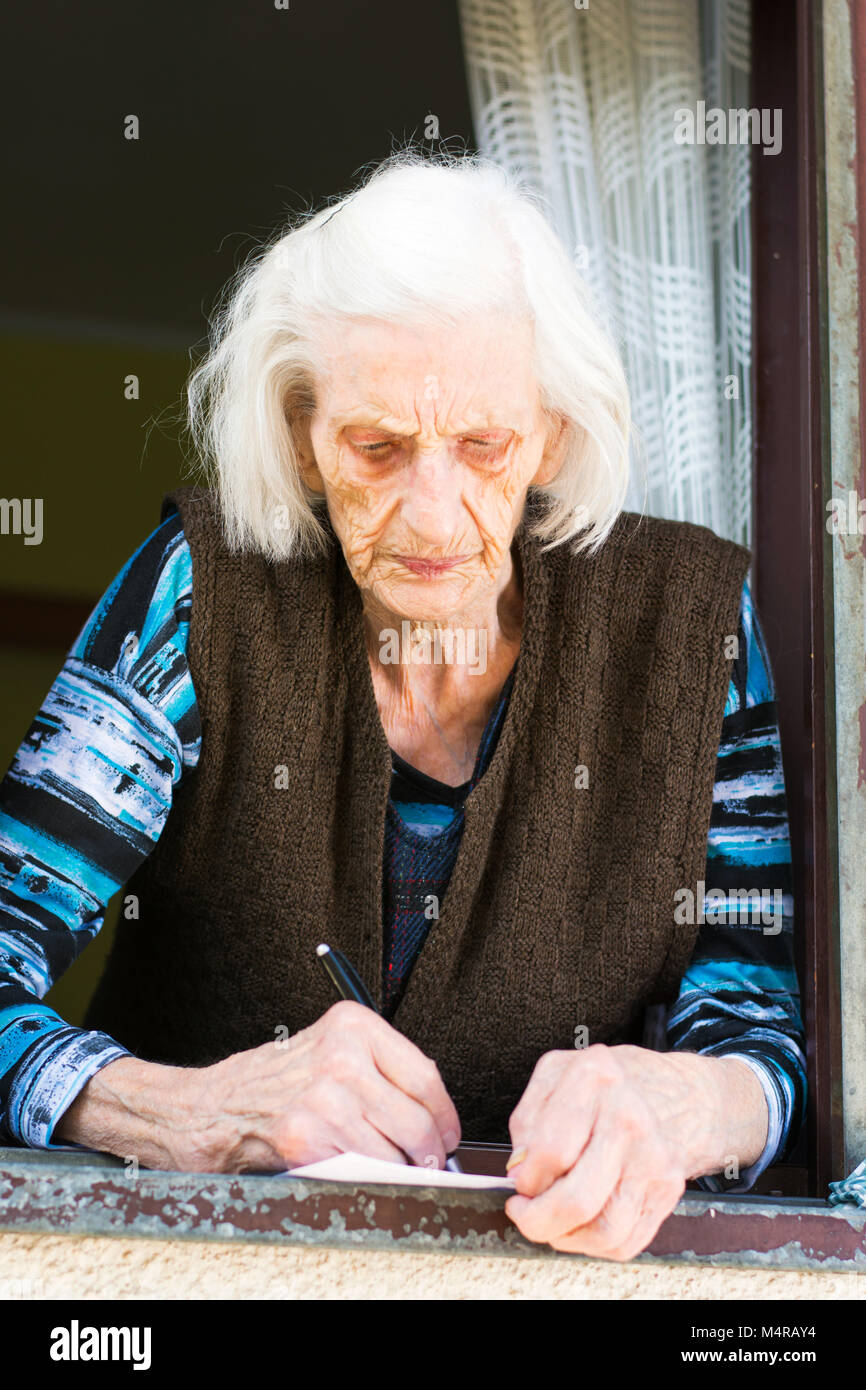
point(415, 1074)
point(612, 1229)
point(366, 1139)
point(655, 1214)
point(523, 1120)
point(577, 1197)
point(402, 1120)
point(562, 1129)
point(316, 1139)
point(332, 1113)
point(617, 1234)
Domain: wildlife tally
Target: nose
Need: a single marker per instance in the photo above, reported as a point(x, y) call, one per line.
point(432, 504)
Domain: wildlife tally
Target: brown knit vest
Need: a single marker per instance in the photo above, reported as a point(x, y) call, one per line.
point(559, 913)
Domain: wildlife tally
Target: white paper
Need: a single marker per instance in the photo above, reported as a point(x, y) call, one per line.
point(358, 1168)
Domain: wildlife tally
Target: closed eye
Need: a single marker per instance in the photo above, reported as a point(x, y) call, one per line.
point(488, 447)
point(490, 450)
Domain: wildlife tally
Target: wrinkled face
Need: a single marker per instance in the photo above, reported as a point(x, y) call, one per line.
point(424, 443)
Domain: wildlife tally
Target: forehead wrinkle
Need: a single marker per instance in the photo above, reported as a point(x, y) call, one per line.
point(371, 408)
point(465, 419)
point(371, 419)
point(363, 419)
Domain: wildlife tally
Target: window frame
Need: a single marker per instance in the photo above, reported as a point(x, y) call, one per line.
point(790, 481)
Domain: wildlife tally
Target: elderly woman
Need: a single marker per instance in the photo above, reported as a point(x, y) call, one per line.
point(405, 677)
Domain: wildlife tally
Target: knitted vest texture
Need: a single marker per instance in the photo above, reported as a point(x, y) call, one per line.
point(559, 914)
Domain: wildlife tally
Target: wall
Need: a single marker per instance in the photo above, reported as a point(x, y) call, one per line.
point(91, 1267)
point(845, 245)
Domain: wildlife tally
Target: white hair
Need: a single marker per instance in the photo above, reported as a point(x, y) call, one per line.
point(422, 241)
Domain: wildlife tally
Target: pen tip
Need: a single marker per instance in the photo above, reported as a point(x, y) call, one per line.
point(320, 950)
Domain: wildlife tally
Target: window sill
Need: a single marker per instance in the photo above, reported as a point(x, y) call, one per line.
point(94, 1194)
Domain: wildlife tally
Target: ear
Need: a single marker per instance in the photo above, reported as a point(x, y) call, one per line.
point(554, 452)
point(307, 466)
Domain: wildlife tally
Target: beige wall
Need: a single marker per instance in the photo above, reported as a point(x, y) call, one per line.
point(843, 164)
point(108, 1267)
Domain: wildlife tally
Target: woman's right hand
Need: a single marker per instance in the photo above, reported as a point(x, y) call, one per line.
point(348, 1082)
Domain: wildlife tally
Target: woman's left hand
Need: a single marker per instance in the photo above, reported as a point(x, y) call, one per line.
point(612, 1135)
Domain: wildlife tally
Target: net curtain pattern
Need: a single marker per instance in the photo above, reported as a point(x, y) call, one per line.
point(582, 102)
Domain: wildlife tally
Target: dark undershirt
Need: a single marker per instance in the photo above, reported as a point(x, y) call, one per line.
point(409, 784)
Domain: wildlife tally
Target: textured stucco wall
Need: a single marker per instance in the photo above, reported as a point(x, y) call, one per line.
point(47, 1266)
point(844, 163)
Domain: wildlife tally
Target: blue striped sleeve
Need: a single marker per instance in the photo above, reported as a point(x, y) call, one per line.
point(740, 995)
point(81, 806)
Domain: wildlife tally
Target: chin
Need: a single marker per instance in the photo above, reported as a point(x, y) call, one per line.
point(427, 600)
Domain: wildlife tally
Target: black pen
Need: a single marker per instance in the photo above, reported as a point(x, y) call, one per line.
point(349, 985)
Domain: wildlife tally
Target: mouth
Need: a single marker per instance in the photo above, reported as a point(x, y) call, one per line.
point(429, 569)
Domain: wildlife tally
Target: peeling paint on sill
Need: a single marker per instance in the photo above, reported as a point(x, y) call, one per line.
point(92, 1195)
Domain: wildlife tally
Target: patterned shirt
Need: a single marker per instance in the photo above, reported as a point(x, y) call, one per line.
point(89, 791)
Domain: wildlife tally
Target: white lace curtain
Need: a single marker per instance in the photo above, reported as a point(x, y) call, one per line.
point(581, 101)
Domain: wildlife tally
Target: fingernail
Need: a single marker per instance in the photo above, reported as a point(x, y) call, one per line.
point(517, 1157)
point(452, 1139)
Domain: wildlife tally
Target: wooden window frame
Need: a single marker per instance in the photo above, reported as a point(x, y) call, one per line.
point(792, 561)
